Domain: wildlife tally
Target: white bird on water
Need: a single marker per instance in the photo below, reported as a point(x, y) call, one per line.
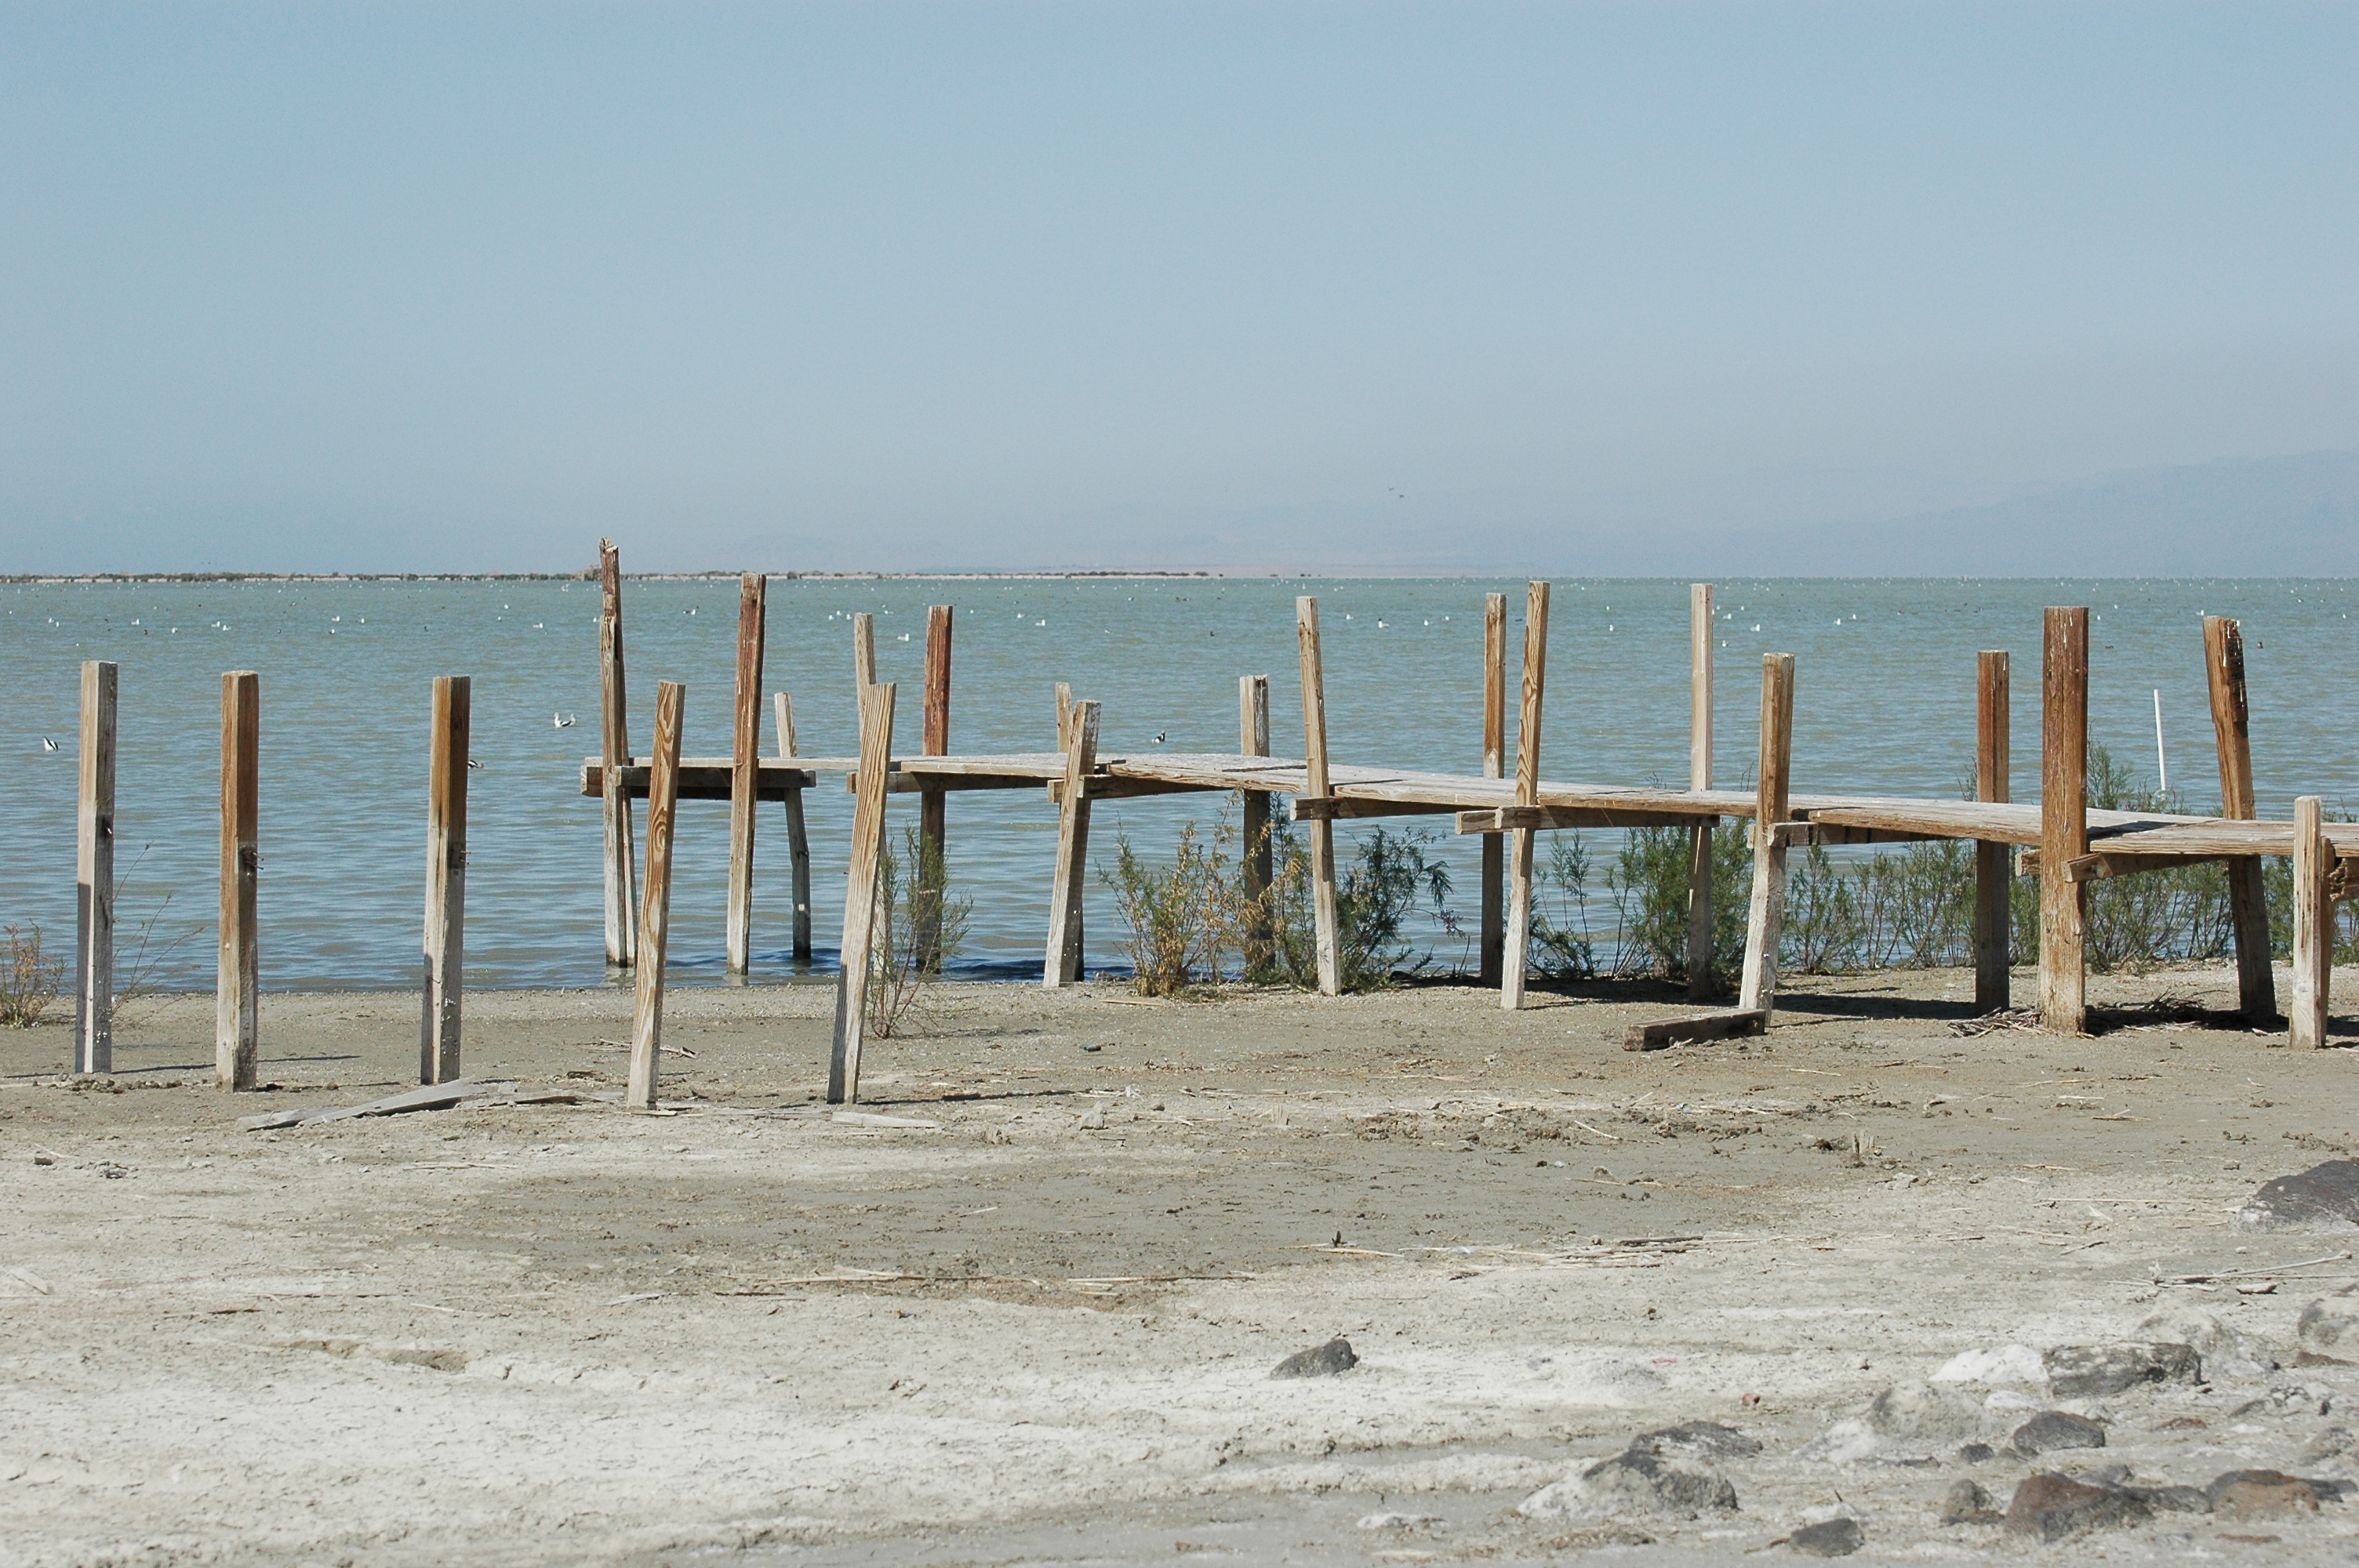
point(1161, 736)
point(48, 744)
point(562, 721)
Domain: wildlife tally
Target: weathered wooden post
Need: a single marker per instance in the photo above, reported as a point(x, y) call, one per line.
point(1993, 878)
point(929, 875)
point(1766, 920)
point(2248, 904)
point(1493, 937)
point(2314, 927)
point(864, 651)
point(655, 909)
point(94, 875)
point(2063, 817)
point(745, 767)
point(1315, 785)
point(446, 881)
point(614, 754)
point(1063, 964)
point(1700, 636)
point(797, 838)
point(237, 1039)
point(1516, 956)
point(1254, 861)
point(860, 892)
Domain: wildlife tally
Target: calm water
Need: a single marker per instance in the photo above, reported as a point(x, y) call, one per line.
point(1885, 703)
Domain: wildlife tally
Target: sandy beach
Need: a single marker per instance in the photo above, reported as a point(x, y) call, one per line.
point(1031, 1314)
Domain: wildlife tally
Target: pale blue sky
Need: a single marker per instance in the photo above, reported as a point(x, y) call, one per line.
point(461, 287)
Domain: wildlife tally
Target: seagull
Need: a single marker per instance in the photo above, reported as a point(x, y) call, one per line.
point(562, 721)
point(48, 744)
point(472, 763)
point(1161, 736)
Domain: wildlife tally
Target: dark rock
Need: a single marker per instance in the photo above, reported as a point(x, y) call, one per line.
point(2079, 1372)
point(2052, 1430)
point(1977, 1454)
point(1969, 1504)
point(1637, 1482)
point(2270, 1494)
point(2050, 1507)
point(1319, 1361)
point(1697, 1440)
point(1829, 1538)
point(2324, 1194)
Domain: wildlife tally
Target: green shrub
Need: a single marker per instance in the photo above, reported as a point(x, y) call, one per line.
point(30, 979)
point(921, 924)
point(1182, 918)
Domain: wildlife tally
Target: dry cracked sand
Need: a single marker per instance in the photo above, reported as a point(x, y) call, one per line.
point(1039, 1325)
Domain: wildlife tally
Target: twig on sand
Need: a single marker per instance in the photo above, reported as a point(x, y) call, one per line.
point(2248, 1273)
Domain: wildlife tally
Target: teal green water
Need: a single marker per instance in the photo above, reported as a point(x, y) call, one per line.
point(1886, 700)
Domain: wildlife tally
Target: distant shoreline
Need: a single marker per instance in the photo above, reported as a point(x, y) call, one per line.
point(590, 576)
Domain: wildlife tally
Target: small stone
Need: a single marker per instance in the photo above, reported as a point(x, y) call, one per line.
point(1837, 1537)
point(2225, 1352)
point(1697, 1440)
point(1969, 1504)
point(1633, 1483)
point(2007, 1364)
point(2268, 1494)
point(2324, 1194)
point(2078, 1371)
point(2329, 1328)
point(2049, 1508)
point(1318, 1362)
point(1977, 1454)
point(1397, 1521)
point(2330, 1443)
point(2052, 1430)
point(1925, 1412)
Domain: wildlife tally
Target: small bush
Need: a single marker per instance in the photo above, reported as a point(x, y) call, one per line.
point(1389, 874)
point(1182, 918)
point(30, 979)
point(920, 925)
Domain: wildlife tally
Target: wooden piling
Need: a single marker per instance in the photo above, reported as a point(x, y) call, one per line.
point(797, 838)
point(860, 892)
point(1516, 952)
point(2248, 904)
point(1064, 714)
point(237, 1010)
point(930, 875)
point(1063, 964)
point(2063, 817)
point(1766, 921)
point(1494, 930)
point(2314, 927)
point(1315, 785)
point(745, 759)
point(655, 898)
point(864, 651)
point(95, 874)
point(1993, 877)
point(615, 751)
point(1254, 859)
point(446, 880)
point(1700, 636)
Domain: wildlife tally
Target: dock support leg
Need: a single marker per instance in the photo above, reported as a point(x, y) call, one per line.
point(1254, 859)
point(1516, 956)
point(2063, 818)
point(236, 1014)
point(1992, 875)
point(95, 874)
point(615, 751)
point(1326, 935)
point(655, 910)
point(2248, 906)
point(744, 762)
point(797, 838)
point(860, 892)
point(1516, 951)
point(1700, 663)
point(2314, 927)
point(1766, 920)
point(930, 873)
point(446, 882)
point(1493, 929)
point(1063, 964)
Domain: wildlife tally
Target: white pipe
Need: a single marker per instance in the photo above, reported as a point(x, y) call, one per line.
point(2161, 764)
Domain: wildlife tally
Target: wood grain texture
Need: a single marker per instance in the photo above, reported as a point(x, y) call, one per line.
point(1254, 861)
point(439, 1040)
point(1993, 878)
point(2248, 904)
point(2313, 929)
point(237, 1038)
point(1062, 965)
point(798, 835)
point(864, 651)
point(655, 899)
point(745, 766)
point(1516, 941)
point(1326, 936)
point(933, 816)
point(860, 894)
point(94, 873)
point(1766, 920)
point(622, 906)
point(1493, 936)
point(2063, 817)
point(1701, 636)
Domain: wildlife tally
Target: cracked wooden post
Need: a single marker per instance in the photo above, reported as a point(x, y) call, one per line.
point(1766, 920)
point(1063, 963)
point(864, 652)
point(237, 1009)
point(1253, 860)
point(95, 874)
point(2248, 904)
point(2314, 927)
point(1700, 662)
point(744, 768)
point(1515, 954)
point(2063, 817)
point(1493, 929)
point(930, 874)
point(869, 787)
point(1994, 876)
point(615, 753)
point(446, 881)
point(797, 837)
point(655, 907)
point(1325, 935)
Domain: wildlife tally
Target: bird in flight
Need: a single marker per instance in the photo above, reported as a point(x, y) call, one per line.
point(48, 744)
point(562, 721)
point(1161, 736)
